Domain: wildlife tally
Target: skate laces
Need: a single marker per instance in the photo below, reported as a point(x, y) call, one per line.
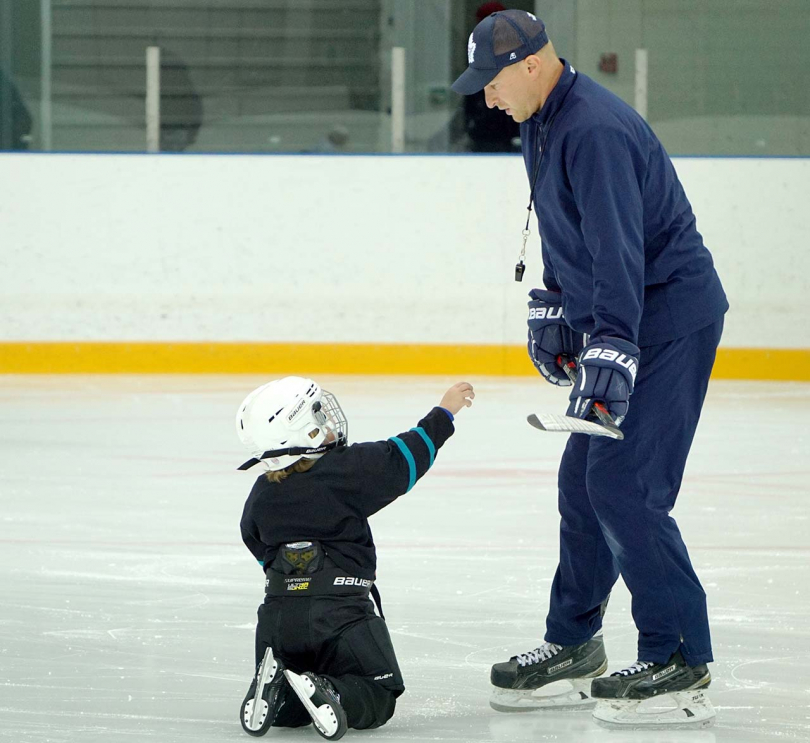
point(638, 667)
point(329, 688)
point(546, 651)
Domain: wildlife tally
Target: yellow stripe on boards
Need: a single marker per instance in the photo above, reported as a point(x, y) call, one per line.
point(270, 358)
point(775, 364)
point(345, 358)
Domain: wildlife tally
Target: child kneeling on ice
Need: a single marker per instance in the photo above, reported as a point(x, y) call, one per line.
point(322, 652)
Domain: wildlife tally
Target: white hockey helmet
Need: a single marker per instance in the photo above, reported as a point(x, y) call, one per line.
point(288, 419)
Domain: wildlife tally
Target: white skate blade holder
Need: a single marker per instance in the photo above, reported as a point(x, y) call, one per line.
point(680, 710)
point(559, 695)
point(256, 709)
point(324, 716)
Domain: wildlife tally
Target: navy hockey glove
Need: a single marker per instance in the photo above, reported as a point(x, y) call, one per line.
point(607, 373)
point(550, 336)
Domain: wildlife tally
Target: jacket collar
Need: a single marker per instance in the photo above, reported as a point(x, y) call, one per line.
point(555, 99)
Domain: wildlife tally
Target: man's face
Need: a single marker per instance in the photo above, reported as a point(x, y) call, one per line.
point(512, 91)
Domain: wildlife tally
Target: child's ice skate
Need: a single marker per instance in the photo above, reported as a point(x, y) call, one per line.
point(321, 701)
point(654, 694)
point(265, 696)
point(530, 680)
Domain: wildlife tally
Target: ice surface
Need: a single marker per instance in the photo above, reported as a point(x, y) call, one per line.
point(127, 601)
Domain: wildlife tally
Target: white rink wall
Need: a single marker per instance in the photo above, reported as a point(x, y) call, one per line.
point(416, 249)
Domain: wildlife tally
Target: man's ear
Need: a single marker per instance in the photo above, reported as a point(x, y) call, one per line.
point(533, 64)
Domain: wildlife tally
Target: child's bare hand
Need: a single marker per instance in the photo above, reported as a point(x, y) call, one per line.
point(457, 397)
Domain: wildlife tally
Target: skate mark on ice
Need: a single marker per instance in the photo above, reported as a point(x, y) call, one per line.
point(759, 684)
point(429, 638)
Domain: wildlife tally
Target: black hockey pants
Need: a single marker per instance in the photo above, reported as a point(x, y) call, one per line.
point(337, 637)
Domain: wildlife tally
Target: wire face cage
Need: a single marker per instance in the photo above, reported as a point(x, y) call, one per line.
point(331, 416)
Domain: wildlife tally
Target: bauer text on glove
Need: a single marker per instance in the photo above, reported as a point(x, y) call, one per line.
point(606, 374)
point(550, 336)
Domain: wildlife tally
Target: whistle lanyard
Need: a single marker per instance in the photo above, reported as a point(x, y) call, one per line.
point(520, 267)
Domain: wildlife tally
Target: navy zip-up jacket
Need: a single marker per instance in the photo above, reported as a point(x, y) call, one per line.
point(618, 233)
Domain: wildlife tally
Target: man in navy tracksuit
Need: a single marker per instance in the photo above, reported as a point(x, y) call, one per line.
point(630, 293)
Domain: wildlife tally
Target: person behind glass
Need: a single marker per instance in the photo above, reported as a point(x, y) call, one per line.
point(181, 108)
point(15, 119)
point(488, 130)
point(322, 653)
point(631, 297)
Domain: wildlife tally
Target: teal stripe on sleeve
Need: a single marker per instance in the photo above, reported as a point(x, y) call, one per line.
point(431, 448)
point(261, 562)
point(406, 452)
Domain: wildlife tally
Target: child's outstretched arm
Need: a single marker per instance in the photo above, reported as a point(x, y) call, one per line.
point(388, 469)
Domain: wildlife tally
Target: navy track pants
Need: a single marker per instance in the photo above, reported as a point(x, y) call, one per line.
point(615, 498)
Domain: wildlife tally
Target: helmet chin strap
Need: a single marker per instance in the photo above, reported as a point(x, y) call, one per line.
point(302, 451)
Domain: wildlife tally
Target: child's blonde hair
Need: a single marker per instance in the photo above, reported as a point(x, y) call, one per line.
point(302, 465)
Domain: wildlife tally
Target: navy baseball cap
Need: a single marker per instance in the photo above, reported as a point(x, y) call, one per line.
point(501, 39)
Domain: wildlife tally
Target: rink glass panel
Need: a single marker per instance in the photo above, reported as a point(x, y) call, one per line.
point(306, 76)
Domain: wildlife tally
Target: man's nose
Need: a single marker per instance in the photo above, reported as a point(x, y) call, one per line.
point(489, 98)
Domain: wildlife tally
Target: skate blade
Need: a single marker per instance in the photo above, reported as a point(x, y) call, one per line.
point(254, 716)
point(560, 695)
point(325, 717)
point(256, 710)
point(683, 710)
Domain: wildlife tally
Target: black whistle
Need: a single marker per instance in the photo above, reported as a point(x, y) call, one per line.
point(520, 269)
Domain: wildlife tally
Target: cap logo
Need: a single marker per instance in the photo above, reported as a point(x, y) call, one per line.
point(471, 50)
point(512, 56)
point(531, 15)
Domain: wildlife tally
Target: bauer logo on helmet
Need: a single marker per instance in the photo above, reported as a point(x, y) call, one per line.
point(296, 410)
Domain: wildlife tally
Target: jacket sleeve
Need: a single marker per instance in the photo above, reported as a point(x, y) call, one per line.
point(549, 277)
point(388, 469)
point(250, 536)
point(604, 168)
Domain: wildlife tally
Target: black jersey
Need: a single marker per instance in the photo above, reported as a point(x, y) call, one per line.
point(331, 502)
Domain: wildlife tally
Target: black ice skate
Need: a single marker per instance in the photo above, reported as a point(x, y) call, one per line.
point(321, 701)
point(265, 696)
point(676, 691)
point(529, 681)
